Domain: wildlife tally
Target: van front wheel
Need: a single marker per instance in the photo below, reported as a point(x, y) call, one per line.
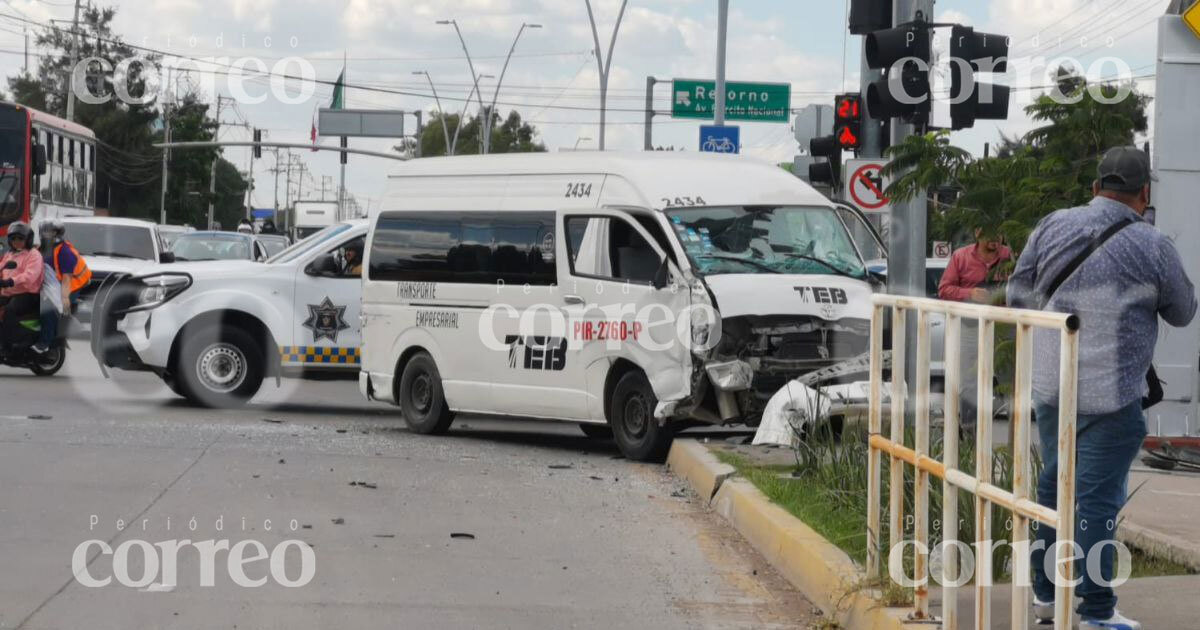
point(637, 432)
point(422, 401)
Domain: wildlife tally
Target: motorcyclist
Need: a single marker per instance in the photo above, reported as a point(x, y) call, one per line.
point(21, 269)
point(72, 272)
point(268, 227)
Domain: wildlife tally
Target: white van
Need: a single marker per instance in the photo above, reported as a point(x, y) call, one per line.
point(631, 293)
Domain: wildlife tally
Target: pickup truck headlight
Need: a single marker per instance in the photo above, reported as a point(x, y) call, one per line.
point(154, 291)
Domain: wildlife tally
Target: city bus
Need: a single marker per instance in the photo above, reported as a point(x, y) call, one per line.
point(47, 167)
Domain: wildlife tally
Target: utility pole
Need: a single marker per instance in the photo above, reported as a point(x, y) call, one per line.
point(487, 123)
point(166, 156)
point(250, 176)
point(74, 61)
point(212, 169)
point(276, 171)
point(648, 143)
point(26, 51)
point(722, 28)
point(603, 64)
point(907, 236)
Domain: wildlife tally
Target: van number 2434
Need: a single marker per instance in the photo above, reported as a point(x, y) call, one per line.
point(578, 190)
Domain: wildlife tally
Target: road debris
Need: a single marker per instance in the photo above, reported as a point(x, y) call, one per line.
point(462, 535)
point(272, 420)
point(339, 521)
point(364, 484)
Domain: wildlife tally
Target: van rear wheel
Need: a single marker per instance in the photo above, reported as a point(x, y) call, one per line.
point(637, 432)
point(422, 401)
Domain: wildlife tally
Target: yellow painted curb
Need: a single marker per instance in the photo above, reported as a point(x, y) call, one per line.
point(695, 463)
point(819, 569)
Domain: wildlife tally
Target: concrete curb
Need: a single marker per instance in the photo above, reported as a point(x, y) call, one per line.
point(820, 570)
point(693, 461)
point(1160, 545)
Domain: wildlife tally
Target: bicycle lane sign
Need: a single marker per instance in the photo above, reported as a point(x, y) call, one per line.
point(865, 185)
point(725, 139)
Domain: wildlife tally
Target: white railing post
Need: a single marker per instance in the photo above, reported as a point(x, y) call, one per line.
point(875, 426)
point(899, 393)
point(921, 482)
point(1020, 418)
point(1067, 401)
point(950, 401)
point(983, 473)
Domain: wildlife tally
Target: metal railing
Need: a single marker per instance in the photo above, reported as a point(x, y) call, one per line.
point(1018, 501)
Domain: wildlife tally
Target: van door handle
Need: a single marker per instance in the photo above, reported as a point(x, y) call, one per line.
point(572, 299)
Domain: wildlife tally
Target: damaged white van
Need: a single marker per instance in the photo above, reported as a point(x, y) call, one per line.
point(629, 293)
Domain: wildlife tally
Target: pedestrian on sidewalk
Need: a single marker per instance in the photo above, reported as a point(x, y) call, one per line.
point(973, 275)
point(1119, 274)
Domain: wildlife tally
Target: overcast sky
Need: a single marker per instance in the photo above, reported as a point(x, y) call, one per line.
point(553, 79)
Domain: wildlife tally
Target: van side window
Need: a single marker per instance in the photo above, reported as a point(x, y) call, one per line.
point(464, 247)
point(610, 248)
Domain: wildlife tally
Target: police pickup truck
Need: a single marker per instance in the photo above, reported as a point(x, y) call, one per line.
point(214, 331)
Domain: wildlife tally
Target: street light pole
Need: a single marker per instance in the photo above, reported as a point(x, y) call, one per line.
point(458, 127)
point(487, 125)
point(722, 28)
point(602, 64)
point(580, 139)
point(441, 113)
point(470, 66)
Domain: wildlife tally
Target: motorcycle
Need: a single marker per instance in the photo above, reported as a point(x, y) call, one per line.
point(20, 352)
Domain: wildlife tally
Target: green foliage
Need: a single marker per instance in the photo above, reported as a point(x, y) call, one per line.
point(129, 168)
point(510, 135)
point(1050, 168)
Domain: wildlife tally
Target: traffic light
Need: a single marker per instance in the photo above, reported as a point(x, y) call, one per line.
point(257, 146)
point(828, 172)
point(870, 15)
point(904, 90)
point(972, 52)
point(847, 129)
point(343, 153)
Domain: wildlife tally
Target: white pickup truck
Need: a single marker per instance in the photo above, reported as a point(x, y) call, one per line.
point(213, 331)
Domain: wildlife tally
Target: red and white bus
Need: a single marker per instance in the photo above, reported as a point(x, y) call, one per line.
point(47, 167)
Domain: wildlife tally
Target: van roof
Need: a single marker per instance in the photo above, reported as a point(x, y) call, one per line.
point(653, 179)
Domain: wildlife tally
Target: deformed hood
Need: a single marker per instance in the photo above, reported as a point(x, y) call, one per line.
point(828, 297)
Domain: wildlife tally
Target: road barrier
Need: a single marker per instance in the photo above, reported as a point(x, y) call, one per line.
point(986, 494)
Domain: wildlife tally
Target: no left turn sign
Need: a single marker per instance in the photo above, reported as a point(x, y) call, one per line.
point(865, 185)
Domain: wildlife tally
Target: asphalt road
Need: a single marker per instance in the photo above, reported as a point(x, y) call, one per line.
point(565, 533)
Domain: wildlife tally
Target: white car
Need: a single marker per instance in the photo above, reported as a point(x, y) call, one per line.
point(110, 246)
point(213, 331)
point(934, 268)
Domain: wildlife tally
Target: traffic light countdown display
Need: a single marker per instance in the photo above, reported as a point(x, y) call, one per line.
point(847, 136)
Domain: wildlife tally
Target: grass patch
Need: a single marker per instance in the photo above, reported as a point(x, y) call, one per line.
point(826, 489)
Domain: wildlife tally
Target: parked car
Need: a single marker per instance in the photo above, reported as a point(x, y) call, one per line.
point(274, 243)
point(112, 246)
point(168, 233)
point(198, 246)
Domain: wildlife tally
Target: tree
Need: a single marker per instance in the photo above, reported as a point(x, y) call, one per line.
point(129, 167)
point(1051, 167)
point(510, 136)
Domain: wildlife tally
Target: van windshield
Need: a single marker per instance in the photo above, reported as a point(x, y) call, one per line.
point(766, 239)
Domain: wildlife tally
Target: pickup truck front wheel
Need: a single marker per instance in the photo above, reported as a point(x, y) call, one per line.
point(220, 367)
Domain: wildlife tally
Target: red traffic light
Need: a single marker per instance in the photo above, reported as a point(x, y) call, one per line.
point(849, 137)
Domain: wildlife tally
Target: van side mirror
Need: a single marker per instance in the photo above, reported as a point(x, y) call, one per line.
point(326, 266)
point(662, 277)
point(166, 257)
point(39, 159)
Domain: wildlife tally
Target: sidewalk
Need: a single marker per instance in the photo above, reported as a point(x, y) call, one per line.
point(1158, 602)
point(1163, 516)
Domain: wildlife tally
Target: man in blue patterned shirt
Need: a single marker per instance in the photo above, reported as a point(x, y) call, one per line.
point(1118, 292)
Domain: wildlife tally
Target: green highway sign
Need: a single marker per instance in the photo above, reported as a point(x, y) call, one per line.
point(751, 102)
